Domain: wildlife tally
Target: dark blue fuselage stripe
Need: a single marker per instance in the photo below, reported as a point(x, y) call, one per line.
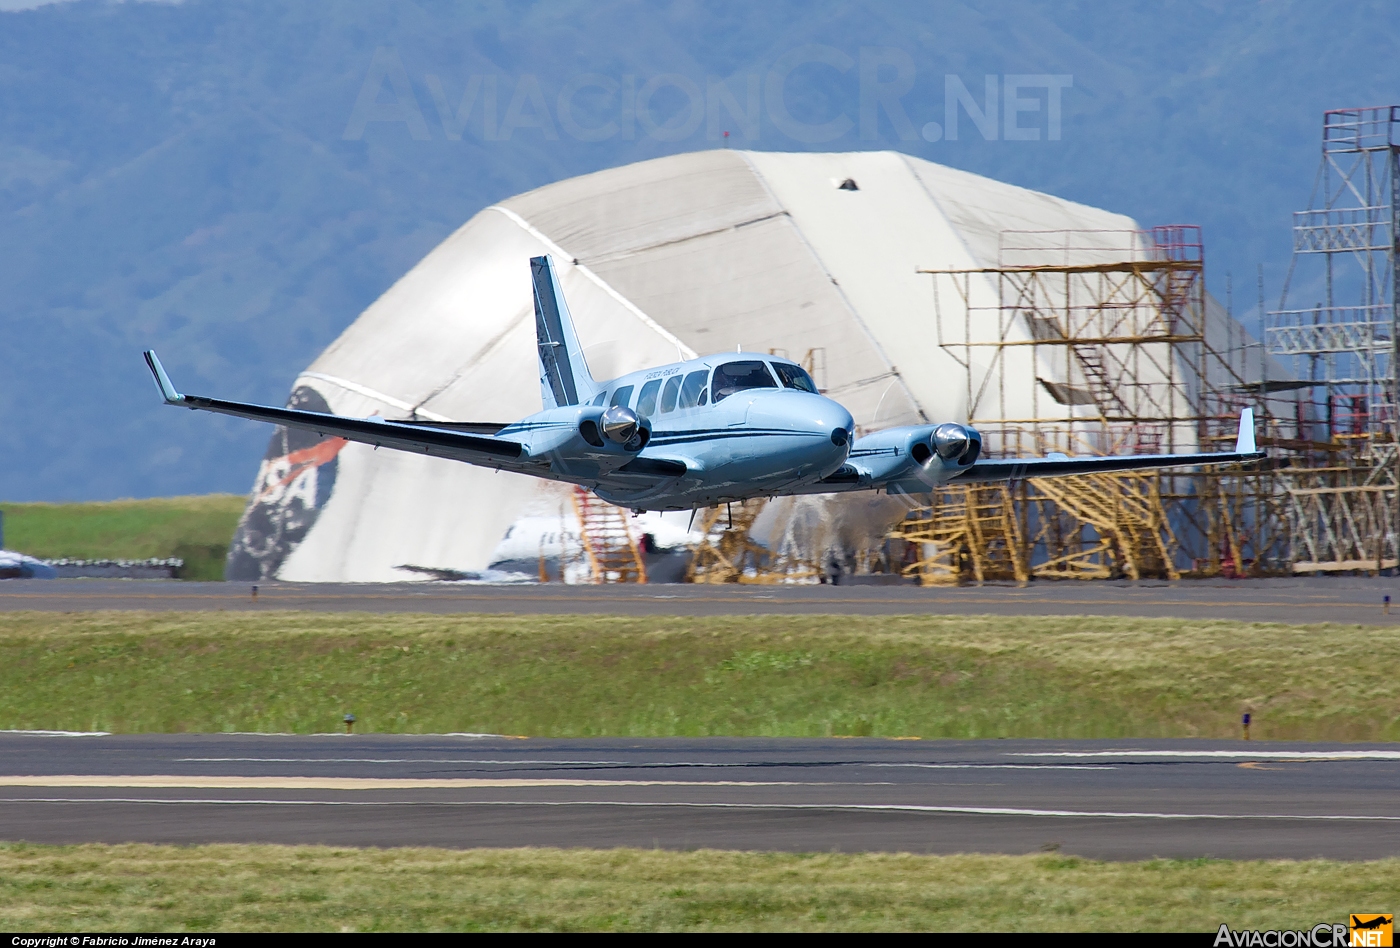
point(719, 435)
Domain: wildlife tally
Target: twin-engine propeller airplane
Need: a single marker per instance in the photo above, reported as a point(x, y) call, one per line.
point(695, 434)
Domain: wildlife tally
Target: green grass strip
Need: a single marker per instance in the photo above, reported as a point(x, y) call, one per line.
point(198, 530)
point(305, 888)
point(582, 676)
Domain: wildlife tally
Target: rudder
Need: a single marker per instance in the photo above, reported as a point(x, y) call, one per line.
point(564, 375)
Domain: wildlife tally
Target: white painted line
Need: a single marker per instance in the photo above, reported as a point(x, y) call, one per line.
point(631, 765)
point(1002, 766)
point(472, 735)
point(410, 760)
point(61, 733)
point(1232, 755)
point(844, 807)
point(229, 782)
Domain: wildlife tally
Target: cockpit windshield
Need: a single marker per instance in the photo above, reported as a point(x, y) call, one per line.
point(736, 376)
point(794, 376)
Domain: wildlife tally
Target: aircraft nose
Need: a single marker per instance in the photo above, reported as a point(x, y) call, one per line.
point(827, 424)
point(843, 426)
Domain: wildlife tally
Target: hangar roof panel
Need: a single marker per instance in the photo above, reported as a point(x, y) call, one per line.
point(624, 210)
point(980, 209)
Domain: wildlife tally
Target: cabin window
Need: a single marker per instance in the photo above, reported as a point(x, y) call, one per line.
point(601, 400)
point(646, 401)
point(736, 376)
point(692, 387)
point(622, 396)
point(668, 397)
point(794, 376)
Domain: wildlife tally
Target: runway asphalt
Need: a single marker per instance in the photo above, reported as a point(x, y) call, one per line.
point(1297, 600)
point(1109, 800)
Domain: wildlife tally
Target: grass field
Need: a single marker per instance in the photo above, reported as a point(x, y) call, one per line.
point(567, 676)
point(195, 529)
point(277, 888)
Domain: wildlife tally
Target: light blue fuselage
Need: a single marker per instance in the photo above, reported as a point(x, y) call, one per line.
point(754, 442)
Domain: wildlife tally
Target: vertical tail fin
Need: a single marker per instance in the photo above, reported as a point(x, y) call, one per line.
point(564, 376)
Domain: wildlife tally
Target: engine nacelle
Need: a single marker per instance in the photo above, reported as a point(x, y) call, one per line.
point(952, 443)
point(619, 425)
point(958, 443)
point(912, 451)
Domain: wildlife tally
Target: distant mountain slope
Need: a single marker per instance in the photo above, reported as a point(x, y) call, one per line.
point(180, 176)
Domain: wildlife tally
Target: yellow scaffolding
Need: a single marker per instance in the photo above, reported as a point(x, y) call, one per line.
point(1124, 515)
point(1122, 361)
point(1098, 526)
point(611, 549)
point(966, 533)
point(727, 553)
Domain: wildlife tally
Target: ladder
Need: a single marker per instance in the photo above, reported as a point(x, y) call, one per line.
point(612, 551)
point(1101, 388)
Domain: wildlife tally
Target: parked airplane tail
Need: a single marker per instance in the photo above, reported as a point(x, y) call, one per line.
point(564, 376)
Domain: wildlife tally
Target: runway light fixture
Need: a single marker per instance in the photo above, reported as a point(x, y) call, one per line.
point(1244, 721)
point(349, 722)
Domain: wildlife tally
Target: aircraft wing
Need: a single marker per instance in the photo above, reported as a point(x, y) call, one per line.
point(470, 427)
point(909, 481)
point(1015, 469)
point(1059, 465)
point(435, 441)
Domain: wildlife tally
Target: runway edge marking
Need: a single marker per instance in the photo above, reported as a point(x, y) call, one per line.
point(874, 807)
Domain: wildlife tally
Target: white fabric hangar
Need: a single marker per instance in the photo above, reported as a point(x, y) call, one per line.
point(660, 260)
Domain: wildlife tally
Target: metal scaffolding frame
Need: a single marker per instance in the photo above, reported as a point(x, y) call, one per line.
point(1113, 330)
point(1116, 336)
point(727, 553)
point(1111, 345)
point(1342, 506)
point(609, 545)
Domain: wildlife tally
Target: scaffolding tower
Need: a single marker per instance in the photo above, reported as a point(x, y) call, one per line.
point(1117, 337)
point(1342, 506)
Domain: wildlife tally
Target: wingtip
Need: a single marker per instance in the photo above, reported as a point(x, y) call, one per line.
point(163, 383)
point(1244, 441)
